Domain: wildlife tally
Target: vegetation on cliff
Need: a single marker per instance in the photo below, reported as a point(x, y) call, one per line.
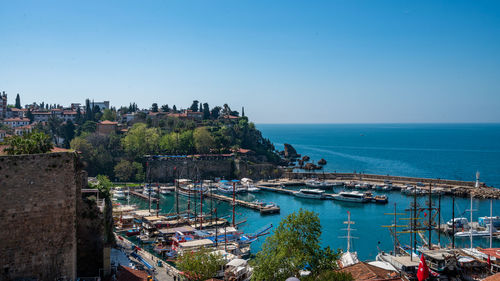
point(32, 143)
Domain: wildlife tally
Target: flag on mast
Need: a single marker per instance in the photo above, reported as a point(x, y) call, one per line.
point(423, 270)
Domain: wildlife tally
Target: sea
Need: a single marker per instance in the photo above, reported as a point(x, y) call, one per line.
point(446, 151)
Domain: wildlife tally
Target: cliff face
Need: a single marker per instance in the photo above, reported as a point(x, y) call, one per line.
point(90, 229)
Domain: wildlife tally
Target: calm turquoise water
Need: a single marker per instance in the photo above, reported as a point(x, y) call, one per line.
point(439, 151)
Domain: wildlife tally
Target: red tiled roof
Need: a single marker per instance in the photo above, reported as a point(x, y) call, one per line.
point(16, 120)
point(128, 274)
point(364, 271)
point(41, 113)
point(107, 122)
point(54, 149)
point(18, 109)
point(230, 117)
point(69, 112)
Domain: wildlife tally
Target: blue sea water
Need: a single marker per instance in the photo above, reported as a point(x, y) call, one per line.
point(422, 150)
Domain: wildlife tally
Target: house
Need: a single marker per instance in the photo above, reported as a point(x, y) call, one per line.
point(41, 116)
point(3, 105)
point(19, 131)
point(16, 122)
point(126, 273)
point(3, 134)
point(102, 105)
point(106, 127)
point(16, 112)
point(68, 115)
point(194, 115)
point(365, 271)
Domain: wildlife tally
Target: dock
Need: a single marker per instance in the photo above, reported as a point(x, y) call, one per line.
point(276, 189)
point(250, 205)
point(140, 195)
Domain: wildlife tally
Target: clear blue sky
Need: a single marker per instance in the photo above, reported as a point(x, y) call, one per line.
point(285, 61)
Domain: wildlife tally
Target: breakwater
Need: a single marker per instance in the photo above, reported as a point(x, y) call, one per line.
point(452, 187)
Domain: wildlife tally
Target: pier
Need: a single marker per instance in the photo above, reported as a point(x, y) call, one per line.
point(250, 205)
point(140, 195)
point(277, 189)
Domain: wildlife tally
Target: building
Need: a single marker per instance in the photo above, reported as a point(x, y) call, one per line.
point(3, 105)
point(68, 115)
point(19, 131)
point(16, 112)
point(106, 127)
point(16, 122)
point(365, 271)
point(102, 105)
point(3, 134)
point(41, 116)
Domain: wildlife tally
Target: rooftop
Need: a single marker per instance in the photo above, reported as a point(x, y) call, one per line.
point(364, 271)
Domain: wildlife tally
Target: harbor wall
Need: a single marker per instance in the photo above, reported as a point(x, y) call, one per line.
point(38, 218)
point(381, 178)
point(166, 170)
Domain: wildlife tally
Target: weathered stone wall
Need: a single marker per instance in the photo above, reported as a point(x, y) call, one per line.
point(210, 168)
point(38, 201)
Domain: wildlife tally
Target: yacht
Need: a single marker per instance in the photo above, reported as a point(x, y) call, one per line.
point(319, 184)
point(166, 189)
point(353, 196)
point(486, 221)
point(474, 233)
point(118, 194)
point(149, 191)
point(249, 185)
point(310, 193)
point(235, 186)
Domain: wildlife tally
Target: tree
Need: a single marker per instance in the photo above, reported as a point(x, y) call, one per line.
point(294, 245)
point(141, 141)
point(174, 108)
point(139, 171)
point(54, 124)
point(108, 114)
point(154, 107)
point(78, 117)
point(243, 111)
point(30, 116)
point(206, 111)
point(89, 126)
point(18, 102)
point(68, 133)
point(194, 106)
point(124, 170)
point(88, 111)
point(201, 265)
point(28, 144)
point(165, 108)
point(215, 112)
point(201, 108)
point(203, 140)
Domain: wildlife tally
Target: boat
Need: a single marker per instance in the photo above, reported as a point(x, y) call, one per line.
point(133, 232)
point(486, 221)
point(459, 223)
point(353, 196)
point(348, 258)
point(474, 233)
point(310, 193)
point(318, 184)
point(118, 194)
point(166, 189)
point(249, 185)
point(363, 185)
point(235, 186)
point(265, 204)
point(149, 191)
point(380, 199)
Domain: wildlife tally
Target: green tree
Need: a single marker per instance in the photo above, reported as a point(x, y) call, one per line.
point(89, 126)
point(68, 133)
point(201, 265)
point(30, 116)
point(18, 102)
point(32, 143)
point(79, 117)
point(206, 111)
point(108, 114)
point(294, 244)
point(215, 112)
point(203, 140)
point(124, 170)
point(139, 171)
point(194, 106)
point(54, 124)
point(154, 107)
point(165, 108)
point(141, 140)
point(174, 108)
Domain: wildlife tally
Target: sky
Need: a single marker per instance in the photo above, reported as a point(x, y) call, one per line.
point(285, 61)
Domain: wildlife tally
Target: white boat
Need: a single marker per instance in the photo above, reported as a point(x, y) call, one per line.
point(310, 193)
point(485, 221)
point(352, 196)
point(363, 185)
point(248, 183)
point(459, 223)
point(166, 189)
point(148, 191)
point(231, 186)
point(474, 233)
point(319, 184)
point(119, 194)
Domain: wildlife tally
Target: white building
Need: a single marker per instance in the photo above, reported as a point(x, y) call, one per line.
point(16, 122)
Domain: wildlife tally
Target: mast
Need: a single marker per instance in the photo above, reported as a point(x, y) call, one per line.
point(414, 246)
point(201, 205)
point(149, 186)
point(158, 199)
point(177, 193)
point(216, 228)
point(471, 210)
point(453, 221)
point(491, 223)
point(439, 220)
point(395, 229)
point(234, 202)
point(430, 217)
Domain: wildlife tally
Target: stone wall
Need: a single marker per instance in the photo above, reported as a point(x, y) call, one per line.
point(38, 201)
point(209, 168)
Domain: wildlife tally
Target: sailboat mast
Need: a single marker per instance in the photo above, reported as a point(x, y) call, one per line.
point(453, 221)
point(395, 228)
point(439, 219)
point(348, 231)
point(177, 193)
point(491, 223)
point(430, 217)
point(234, 203)
point(201, 205)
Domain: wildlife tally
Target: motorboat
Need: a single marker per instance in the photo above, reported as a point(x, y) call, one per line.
point(249, 185)
point(149, 191)
point(459, 223)
point(352, 196)
point(310, 193)
point(486, 221)
point(118, 194)
point(235, 186)
point(363, 185)
point(474, 233)
point(314, 183)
